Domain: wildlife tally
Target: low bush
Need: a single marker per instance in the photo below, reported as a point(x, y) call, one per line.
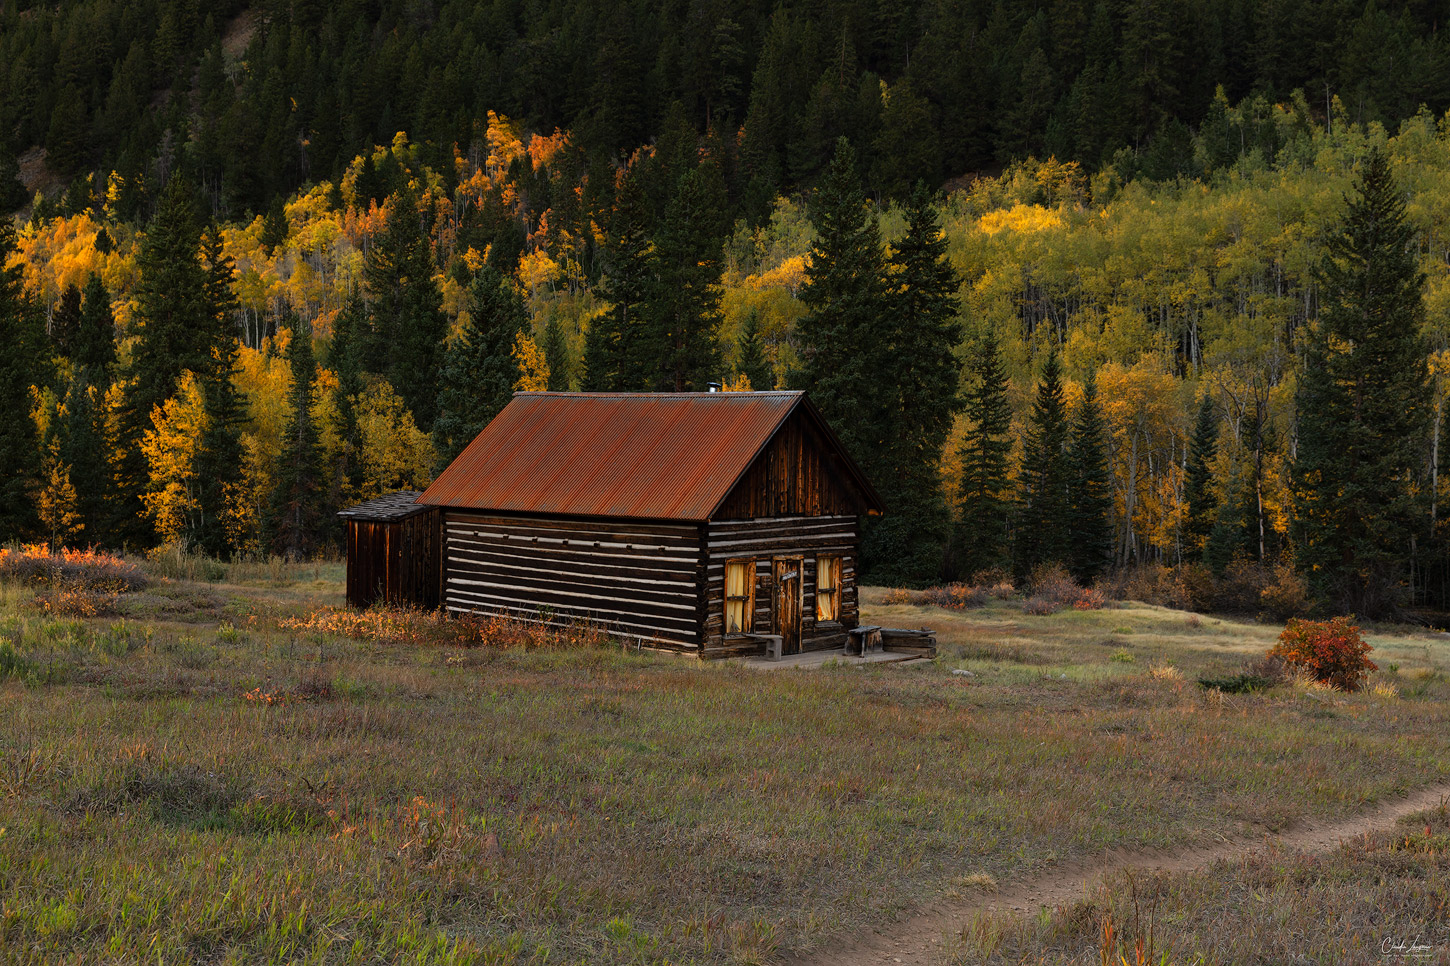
point(1331, 652)
point(1040, 606)
point(948, 596)
point(1052, 588)
point(80, 569)
point(1053, 582)
point(76, 601)
point(1245, 683)
point(1245, 587)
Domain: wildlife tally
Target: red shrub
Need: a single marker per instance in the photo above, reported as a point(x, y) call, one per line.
point(1331, 651)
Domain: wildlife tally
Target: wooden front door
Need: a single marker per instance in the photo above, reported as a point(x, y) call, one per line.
point(786, 608)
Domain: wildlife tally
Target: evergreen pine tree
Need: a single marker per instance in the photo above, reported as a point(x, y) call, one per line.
point(684, 307)
point(65, 321)
point(985, 509)
point(296, 510)
point(219, 302)
point(95, 343)
point(274, 227)
point(83, 447)
point(1045, 507)
point(1091, 531)
point(408, 323)
point(919, 377)
point(479, 371)
point(171, 314)
point(1199, 500)
point(1363, 402)
point(617, 347)
point(345, 358)
point(12, 192)
point(556, 354)
point(21, 350)
point(219, 454)
point(846, 301)
point(750, 355)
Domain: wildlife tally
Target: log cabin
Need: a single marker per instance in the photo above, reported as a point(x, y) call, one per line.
point(709, 523)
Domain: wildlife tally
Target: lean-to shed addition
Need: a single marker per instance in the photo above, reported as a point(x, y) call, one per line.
point(393, 551)
point(693, 521)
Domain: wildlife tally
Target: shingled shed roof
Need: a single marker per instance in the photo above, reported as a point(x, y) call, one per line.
point(385, 509)
point(661, 456)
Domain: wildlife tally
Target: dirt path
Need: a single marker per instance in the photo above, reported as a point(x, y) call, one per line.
point(919, 941)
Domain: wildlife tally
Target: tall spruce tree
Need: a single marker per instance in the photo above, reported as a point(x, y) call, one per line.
point(479, 371)
point(82, 446)
point(95, 344)
point(408, 323)
point(219, 453)
point(1091, 521)
point(174, 337)
point(684, 306)
point(22, 351)
point(1044, 512)
point(618, 346)
point(295, 517)
point(920, 377)
point(344, 357)
point(65, 321)
point(846, 303)
point(556, 354)
point(750, 359)
point(1364, 403)
point(1199, 500)
point(985, 510)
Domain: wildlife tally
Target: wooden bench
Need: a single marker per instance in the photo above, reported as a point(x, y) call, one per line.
point(862, 640)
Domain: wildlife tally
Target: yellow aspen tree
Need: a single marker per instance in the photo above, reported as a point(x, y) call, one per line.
point(57, 503)
point(170, 451)
point(396, 455)
point(533, 368)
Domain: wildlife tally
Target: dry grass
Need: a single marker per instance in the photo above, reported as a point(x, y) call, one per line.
point(1378, 899)
point(403, 796)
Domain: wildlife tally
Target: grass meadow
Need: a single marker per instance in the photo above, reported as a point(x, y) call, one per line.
point(1379, 899)
point(212, 769)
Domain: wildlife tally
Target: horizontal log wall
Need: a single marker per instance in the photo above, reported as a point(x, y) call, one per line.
point(640, 581)
point(763, 540)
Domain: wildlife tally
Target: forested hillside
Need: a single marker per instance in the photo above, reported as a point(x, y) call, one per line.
point(286, 257)
point(253, 100)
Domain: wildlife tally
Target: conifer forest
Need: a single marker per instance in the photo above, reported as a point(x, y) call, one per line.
point(1123, 286)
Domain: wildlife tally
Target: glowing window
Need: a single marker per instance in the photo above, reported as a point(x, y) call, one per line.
point(828, 588)
point(739, 596)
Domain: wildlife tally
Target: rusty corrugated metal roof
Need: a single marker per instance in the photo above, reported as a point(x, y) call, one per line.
point(663, 456)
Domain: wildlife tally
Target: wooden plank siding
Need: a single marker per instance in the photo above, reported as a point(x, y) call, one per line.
point(764, 539)
point(641, 581)
point(396, 561)
point(795, 475)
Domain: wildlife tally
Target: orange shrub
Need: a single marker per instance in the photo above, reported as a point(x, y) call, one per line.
point(1331, 651)
point(84, 569)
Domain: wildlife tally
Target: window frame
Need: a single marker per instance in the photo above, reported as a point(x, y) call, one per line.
point(834, 564)
point(748, 624)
